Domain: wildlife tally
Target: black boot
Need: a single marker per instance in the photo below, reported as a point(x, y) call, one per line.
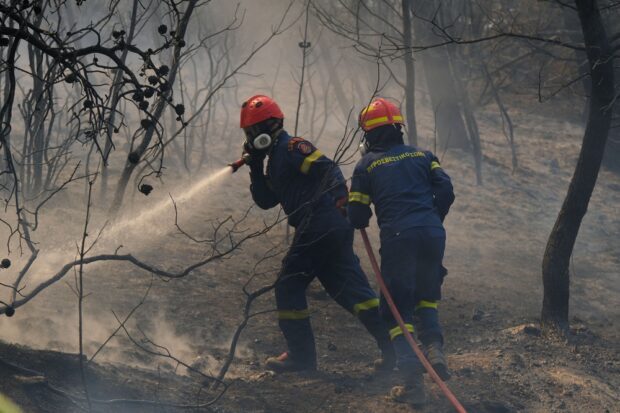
point(285, 363)
point(301, 354)
point(435, 356)
point(410, 374)
point(378, 329)
point(387, 362)
point(413, 390)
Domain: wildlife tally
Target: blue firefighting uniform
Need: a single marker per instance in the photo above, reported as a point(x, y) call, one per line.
point(307, 184)
point(412, 195)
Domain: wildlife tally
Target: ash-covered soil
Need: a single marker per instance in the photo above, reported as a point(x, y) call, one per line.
point(492, 296)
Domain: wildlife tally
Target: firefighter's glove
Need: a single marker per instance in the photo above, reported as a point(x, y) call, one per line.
point(341, 205)
point(254, 159)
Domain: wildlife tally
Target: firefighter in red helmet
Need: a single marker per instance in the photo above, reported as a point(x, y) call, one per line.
point(312, 192)
point(411, 194)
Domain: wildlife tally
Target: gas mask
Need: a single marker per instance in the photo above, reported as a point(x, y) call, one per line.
point(261, 142)
point(380, 137)
point(261, 136)
point(257, 139)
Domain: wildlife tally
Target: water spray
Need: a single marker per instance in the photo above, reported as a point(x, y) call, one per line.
point(154, 211)
point(117, 234)
point(245, 158)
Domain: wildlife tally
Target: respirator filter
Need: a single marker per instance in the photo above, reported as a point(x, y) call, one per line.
point(363, 148)
point(262, 141)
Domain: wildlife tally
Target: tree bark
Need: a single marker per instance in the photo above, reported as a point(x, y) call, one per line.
point(555, 267)
point(473, 133)
point(572, 26)
point(412, 129)
point(450, 125)
point(344, 103)
point(611, 159)
point(37, 121)
point(507, 125)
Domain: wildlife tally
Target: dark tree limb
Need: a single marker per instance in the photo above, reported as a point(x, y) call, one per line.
point(556, 261)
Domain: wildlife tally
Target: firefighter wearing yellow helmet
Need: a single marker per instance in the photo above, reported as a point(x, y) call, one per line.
point(411, 194)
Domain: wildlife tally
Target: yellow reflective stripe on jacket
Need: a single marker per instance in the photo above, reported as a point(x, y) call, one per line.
point(435, 165)
point(7, 406)
point(305, 166)
point(397, 118)
point(293, 314)
point(366, 305)
point(374, 121)
point(426, 304)
point(396, 331)
point(359, 197)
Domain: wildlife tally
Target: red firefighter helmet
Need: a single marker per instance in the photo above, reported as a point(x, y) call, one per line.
point(380, 112)
point(257, 109)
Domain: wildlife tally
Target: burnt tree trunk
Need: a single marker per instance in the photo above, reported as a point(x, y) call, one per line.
point(507, 125)
point(456, 66)
point(451, 130)
point(37, 120)
point(571, 23)
point(555, 267)
point(611, 159)
point(344, 104)
point(410, 76)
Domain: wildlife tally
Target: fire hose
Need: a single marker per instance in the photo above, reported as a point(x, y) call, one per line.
point(416, 349)
point(399, 319)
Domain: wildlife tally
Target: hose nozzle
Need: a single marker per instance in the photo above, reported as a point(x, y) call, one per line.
point(245, 158)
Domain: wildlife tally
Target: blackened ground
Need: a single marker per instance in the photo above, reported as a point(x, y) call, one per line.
point(492, 295)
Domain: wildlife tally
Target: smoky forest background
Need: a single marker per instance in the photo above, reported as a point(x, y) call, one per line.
point(137, 275)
